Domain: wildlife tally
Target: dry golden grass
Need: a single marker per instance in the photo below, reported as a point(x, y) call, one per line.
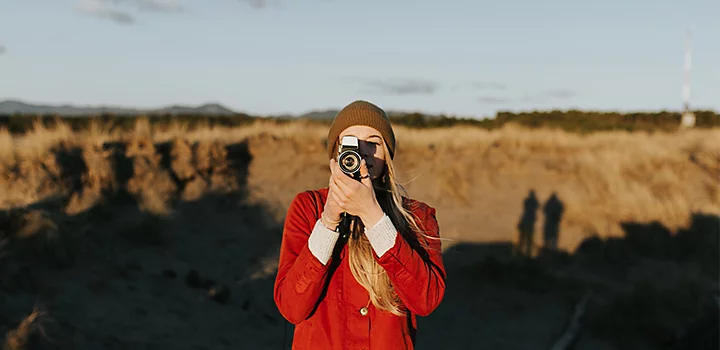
point(21, 338)
point(476, 178)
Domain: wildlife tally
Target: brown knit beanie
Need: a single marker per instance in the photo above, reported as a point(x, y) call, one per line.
point(361, 113)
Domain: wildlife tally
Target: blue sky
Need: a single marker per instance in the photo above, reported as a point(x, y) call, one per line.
point(464, 58)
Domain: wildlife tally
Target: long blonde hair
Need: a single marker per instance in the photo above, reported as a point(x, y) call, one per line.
point(367, 272)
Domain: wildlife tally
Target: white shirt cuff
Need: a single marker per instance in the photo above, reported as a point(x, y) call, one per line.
point(322, 242)
point(382, 236)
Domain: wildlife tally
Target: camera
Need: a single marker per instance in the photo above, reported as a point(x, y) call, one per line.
point(349, 161)
point(349, 157)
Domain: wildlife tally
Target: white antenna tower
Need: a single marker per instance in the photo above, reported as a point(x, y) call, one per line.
point(688, 117)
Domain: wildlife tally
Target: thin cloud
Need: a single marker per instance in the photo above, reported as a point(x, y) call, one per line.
point(528, 98)
point(488, 85)
point(162, 6)
point(2, 49)
point(105, 10)
point(115, 10)
point(402, 86)
point(257, 4)
point(493, 100)
point(480, 85)
point(562, 94)
point(550, 94)
point(541, 96)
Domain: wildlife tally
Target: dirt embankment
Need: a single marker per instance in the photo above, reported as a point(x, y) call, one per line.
point(138, 245)
point(148, 243)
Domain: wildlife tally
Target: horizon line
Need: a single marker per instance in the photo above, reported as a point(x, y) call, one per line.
point(328, 109)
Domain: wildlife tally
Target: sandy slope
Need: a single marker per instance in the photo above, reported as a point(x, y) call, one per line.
point(109, 247)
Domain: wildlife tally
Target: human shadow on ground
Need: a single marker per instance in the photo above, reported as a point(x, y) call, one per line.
point(553, 210)
point(526, 224)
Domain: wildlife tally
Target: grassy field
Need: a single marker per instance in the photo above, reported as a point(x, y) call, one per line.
point(476, 178)
point(159, 202)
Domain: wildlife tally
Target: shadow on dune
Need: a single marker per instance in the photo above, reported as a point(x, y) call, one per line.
point(526, 225)
point(123, 274)
point(651, 289)
point(553, 209)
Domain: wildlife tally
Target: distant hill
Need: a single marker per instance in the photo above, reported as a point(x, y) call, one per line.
point(25, 108)
point(14, 106)
point(329, 114)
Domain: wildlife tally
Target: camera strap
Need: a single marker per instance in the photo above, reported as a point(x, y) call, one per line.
point(349, 226)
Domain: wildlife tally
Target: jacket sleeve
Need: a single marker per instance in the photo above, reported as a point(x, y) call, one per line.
point(418, 281)
point(301, 276)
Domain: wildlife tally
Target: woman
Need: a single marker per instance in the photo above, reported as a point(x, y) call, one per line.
point(361, 289)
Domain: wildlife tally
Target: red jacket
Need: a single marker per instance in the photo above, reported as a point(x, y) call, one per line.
point(324, 302)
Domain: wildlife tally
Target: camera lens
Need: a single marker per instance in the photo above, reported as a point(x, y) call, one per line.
point(349, 162)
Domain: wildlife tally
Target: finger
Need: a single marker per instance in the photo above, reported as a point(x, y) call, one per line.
point(365, 174)
point(337, 187)
point(339, 178)
point(338, 200)
point(333, 187)
point(335, 169)
point(332, 167)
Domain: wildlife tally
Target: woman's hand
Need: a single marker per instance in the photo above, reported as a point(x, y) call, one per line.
point(355, 197)
point(330, 217)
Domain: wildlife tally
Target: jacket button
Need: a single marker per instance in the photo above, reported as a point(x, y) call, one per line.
point(364, 311)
